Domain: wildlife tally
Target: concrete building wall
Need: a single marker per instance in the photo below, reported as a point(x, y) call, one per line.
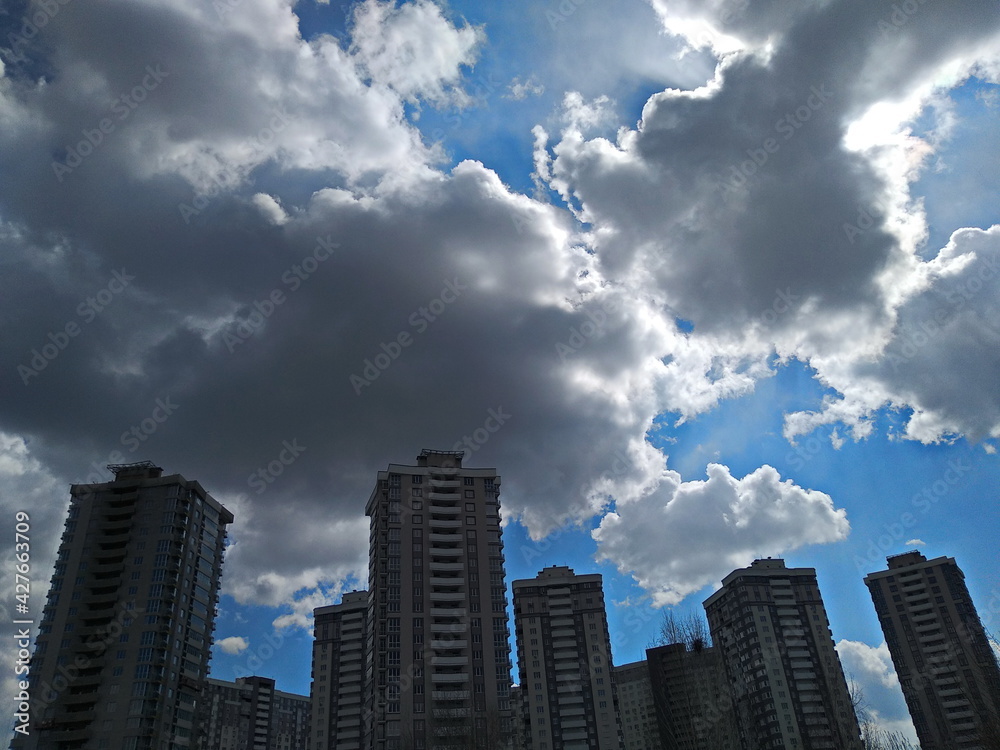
point(250, 714)
point(788, 686)
point(438, 661)
point(565, 664)
point(338, 673)
point(691, 696)
point(635, 704)
point(947, 671)
point(124, 642)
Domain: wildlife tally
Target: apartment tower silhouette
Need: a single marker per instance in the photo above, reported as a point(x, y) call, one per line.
point(943, 659)
point(338, 673)
point(770, 627)
point(124, 642)
point(437, 608)
point(564, 662)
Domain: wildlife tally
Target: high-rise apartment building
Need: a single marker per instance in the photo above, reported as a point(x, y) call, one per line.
point(690, 692)
point(437, 608)
point(947, 671)
point(519, 740)
point(124, 641)
point(635, 704)
point(338, 673)
point(250, 714)
point(787, 683)
point(564, 662)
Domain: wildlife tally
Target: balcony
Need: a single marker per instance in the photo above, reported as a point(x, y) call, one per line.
point(446, 645)
point(445, 552)
point(450, 695)
point(451, 581)
point(452, 537)
point(447, 596)
point(458, 627)
point(449, 483)
point(449, 661)
point(444, 523)
point(447, 612)
point(449, 677)
point(451, 713)
point(447, 567)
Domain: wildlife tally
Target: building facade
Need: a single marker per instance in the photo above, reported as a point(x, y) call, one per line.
point(564, 661)
point(635, 704)
point(338, 673)
point(124, 641)
point(947, 671)
point(250, 714)
point(437, 608)
point(691, 696)
point(787, 684)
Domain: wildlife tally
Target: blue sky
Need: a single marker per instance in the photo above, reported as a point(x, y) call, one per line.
point(731, 268)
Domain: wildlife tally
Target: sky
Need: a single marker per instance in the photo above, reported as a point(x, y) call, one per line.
point(704, 281)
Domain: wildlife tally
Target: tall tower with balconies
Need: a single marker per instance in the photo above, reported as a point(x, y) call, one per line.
point(948, 673)
point(565, 672)
point(338, 673)
point(438, 661)
point(788, 689)
point(124, 641)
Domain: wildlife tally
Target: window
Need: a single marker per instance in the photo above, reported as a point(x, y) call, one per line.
point(470, 481)
point(470, 493)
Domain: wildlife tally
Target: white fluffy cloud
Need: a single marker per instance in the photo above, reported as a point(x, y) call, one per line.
point(234, 644)
point(661, 538)
point(260, 161)
point(868, 664)
point(414, 49)
point(874, 679)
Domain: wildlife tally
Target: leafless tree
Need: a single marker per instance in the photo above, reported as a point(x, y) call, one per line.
point(691, 630)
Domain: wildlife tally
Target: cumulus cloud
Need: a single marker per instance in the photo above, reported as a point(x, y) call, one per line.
point(283, 224)
point(414, 49)
point(518, 89)
point(873, 680)
point(234, 644)
point(660, 538)
point(867, 663)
